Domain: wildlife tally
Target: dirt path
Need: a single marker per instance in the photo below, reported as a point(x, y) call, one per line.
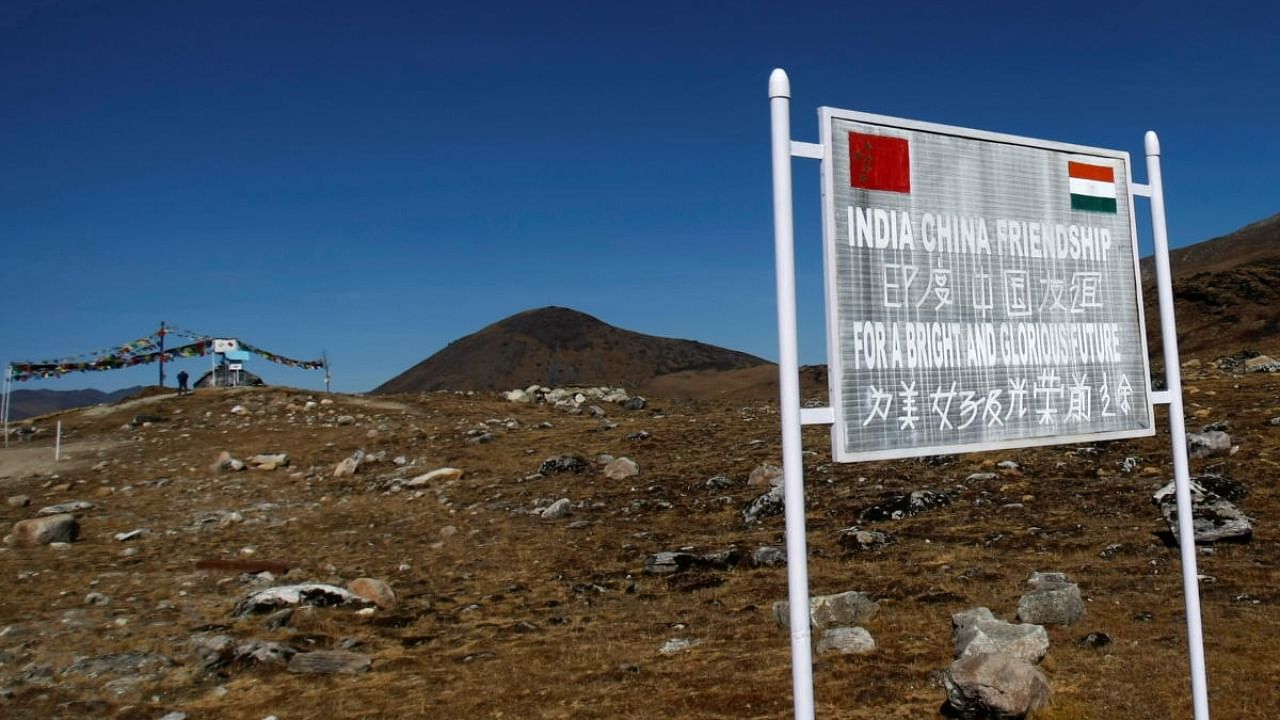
point(22, 461)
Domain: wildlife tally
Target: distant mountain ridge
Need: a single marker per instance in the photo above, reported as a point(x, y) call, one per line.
point(560, 346)
point(1226, 293)
point(31, 403)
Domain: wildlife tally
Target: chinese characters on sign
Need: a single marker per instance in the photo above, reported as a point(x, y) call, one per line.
point(984, 290)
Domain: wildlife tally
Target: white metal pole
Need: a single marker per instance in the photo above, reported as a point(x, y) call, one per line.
point(8, 385)
point(789, 391)
point(57, 444)
point(1177, 432)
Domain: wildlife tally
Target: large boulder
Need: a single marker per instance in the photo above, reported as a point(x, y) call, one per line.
point(977, 631)
point(44, 530)
point(990, 685)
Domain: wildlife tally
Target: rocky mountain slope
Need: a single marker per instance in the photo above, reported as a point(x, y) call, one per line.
point(1226, 294)
point(558, 346)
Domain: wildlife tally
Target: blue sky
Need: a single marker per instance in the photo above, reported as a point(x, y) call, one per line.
point(377, 179)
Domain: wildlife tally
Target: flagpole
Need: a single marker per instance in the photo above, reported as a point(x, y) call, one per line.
point(324, 357)
point(161, 353)
point(8, 385)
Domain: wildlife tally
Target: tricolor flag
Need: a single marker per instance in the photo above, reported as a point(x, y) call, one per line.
point(878, 162)
point(1093, 187)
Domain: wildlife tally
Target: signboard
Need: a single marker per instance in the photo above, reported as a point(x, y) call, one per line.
point(982, 291)
point(225, 345)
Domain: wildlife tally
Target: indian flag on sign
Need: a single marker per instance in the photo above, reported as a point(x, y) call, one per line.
point(1093, 187)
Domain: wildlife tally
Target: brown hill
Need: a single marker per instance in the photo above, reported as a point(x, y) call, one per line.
point(1226, 294)
point(559, 346)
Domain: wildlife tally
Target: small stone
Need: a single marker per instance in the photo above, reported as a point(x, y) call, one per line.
point(765, 474)
point(329, 661)
point(621, 469)
point(345, 420)
point(435, 477)
point(44, 530)
point(269, 461)
point(846, 641)
point(769, 556)
point(239, 410)
point(978, 631)
point(846, 609)
point(1208, 444)
point(772, 502)
point(677, 645)
point(556, 510)
point(73, 506)
point(96, 598)
point(1052, 600)
point(19, 501)
point(373, 590)
point(349, 466)
point(226, 463)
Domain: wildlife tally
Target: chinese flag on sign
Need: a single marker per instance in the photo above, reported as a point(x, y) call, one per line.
point(877, 162)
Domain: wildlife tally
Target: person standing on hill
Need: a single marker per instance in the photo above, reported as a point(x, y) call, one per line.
point(182, 383)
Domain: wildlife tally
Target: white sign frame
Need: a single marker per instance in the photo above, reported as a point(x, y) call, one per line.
point(836, 371)
point(783, 150)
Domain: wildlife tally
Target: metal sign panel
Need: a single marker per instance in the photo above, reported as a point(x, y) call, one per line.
point(982, 291)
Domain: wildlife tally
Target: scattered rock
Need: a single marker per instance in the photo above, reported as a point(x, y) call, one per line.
point(562, 464)
point(313, 594)
point(864, 540)
point(1213, 518)
point(556, 510)
point(226, 463)
point(125, 663)
point(902, 506)
point(978, 631)
point(1208, 444)
point(765, 475)
point(1051, 600)
point(677, 645)
point(375, 591)
point(435, 477)
point(670, 562)
point(345, 420)
point(349, 466)
point(262, 653)
point(846, 609)
point(73, 506)
point(19, 501)
point(1095, 640)
point(769, 556)
point(329, 661)
point(44, 530)
point(846, 641)
point(634, 403)
point(621, 469)
point(718, 482)
point(1262, 363)
point(986, 685)
point(269, 461)
point(131, 534)
point(772, 502)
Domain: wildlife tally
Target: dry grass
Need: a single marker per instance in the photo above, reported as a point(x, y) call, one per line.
point(515, 616)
